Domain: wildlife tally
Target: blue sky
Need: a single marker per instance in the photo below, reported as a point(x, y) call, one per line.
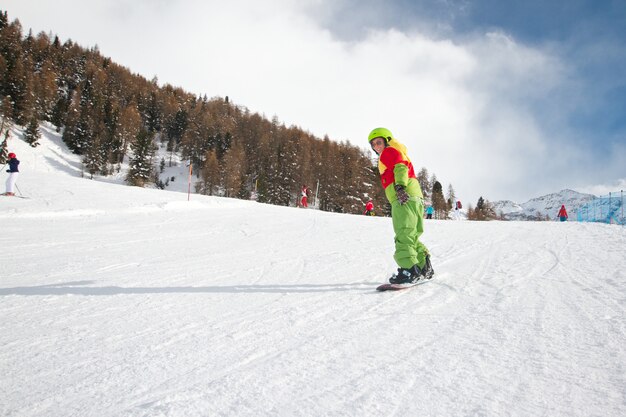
point(508, 100)
point(589, 35)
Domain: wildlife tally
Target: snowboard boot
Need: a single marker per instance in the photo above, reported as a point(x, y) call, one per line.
point(427, 270)
point(406, 276)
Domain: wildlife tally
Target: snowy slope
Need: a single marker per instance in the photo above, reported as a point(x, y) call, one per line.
point(120, 301)
point(52, 156)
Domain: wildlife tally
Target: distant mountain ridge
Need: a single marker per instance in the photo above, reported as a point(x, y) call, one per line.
point(545, 206)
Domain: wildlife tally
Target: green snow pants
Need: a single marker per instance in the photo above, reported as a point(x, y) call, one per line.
point(408, 226)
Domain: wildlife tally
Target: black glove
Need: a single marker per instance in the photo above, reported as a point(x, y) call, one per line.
point(402, 195)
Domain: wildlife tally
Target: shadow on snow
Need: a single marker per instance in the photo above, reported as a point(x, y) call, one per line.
point(82, 288)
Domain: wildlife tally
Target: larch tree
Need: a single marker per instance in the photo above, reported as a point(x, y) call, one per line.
point(210, 174)
point(233, 169)
point(129, 127)
point(422, 178)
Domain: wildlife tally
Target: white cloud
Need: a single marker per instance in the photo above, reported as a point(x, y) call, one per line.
point(464, 107)
point(617, 189)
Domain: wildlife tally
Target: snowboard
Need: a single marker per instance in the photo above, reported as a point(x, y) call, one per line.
point(396, 287)
point(399, 287)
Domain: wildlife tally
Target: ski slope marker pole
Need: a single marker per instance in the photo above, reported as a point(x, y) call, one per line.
point(189, 185)
point(317, 190)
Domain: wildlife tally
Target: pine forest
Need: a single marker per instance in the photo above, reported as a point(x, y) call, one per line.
point(110, 116)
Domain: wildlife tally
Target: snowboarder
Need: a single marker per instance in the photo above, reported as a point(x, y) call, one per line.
point(13, 173)
point(303, 200)
point(407, 207)
point(369, 208)
point(562, 213)
point(429, 212)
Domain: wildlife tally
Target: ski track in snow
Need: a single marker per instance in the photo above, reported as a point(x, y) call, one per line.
point(118, 301)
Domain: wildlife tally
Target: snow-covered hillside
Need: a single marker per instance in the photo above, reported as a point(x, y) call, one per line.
point(52, 155)
point(540, 207)
point(507, 207)
point(122, 301)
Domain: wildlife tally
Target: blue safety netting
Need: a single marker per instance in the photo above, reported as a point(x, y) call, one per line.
point(604, 209)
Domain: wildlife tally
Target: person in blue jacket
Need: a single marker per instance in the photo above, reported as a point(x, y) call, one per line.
point(13, 173)
point(429, 212)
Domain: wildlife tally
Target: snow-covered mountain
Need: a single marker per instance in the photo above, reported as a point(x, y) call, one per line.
point(507, 206)
point(543, 207)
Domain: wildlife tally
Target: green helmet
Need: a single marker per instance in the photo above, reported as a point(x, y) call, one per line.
point(380, 132)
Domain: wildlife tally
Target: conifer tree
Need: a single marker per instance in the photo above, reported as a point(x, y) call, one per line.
point(6, 112)
point(59, 111)
point(177, 126)
point(484, 211)
point(153, 112)
point(4, 19)
point(71, 121)
point(32, 133)
point(140, 166)
point(223, 143)
point(109, 125)
point(439, 202)
point(4, 149)
point(277, 186)
point(82, 133)
point(93, 159)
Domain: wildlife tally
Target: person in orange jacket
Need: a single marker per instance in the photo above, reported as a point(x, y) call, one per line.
point(562, 213)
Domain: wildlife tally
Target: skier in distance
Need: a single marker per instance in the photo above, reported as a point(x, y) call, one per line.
point(13, 173)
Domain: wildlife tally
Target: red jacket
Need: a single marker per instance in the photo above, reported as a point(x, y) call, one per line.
point(562, 212)
point(389, 157)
